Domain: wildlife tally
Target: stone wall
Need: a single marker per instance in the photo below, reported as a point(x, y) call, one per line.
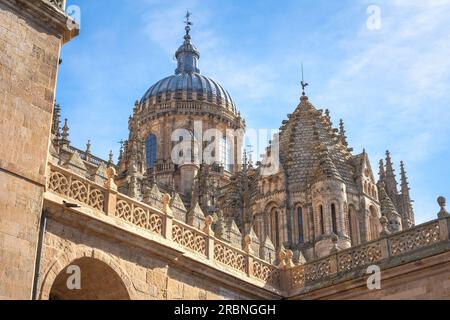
point(29, 56)
point(423, 279)
point(145, 275)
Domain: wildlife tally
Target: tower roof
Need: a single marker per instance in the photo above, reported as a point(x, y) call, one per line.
point(309, 146)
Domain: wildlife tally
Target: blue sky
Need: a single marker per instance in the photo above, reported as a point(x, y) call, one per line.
point(391, 86)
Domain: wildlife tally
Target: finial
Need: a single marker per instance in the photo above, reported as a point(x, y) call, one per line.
point(111, 155)
point(443, 213)
point(207, 226)
point(388, 156)
point(341, 126)
point(342, 135)
point(65, 133)
point(56, 120)
point(327, 113)
point(188, 24)
point(404, 177)
point(111, 174)
point(88, 147)
point(303, 83)
point(384, 227)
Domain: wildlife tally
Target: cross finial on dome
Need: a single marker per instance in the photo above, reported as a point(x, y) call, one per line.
point(188, 22)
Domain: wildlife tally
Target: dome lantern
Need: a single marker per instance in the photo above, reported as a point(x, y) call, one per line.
point(187, 55)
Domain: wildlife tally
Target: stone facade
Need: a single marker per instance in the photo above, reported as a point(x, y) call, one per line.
point(31, 35)
point(150, 228)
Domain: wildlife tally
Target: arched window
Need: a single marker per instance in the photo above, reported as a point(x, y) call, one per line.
point(321, 226)
point(353, 226)
point(334, 219)
point(301, 235)
point(226, 153)
point(151, 147)
point(275, 227)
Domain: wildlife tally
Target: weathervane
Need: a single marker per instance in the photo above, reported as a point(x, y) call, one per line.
point(188, 22)
point(304, 84)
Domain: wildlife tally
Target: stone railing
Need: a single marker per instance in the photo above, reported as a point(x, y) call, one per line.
point(76, 188)
point(189, 237)
point(266, 272)
point(373, 253)
point(60, 4)
point(223, 256)
point(139, 214)
point(107, 200)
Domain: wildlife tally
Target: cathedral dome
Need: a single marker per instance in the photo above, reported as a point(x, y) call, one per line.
point(187, 84)
point(192, 85)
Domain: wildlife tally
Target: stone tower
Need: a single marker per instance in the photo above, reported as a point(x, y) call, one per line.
point(179, 122)
point(31, 35)
point(321, 197)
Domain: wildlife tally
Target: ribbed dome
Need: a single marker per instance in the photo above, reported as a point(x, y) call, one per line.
point(187, 83)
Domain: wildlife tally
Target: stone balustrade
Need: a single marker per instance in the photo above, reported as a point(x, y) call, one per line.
point(377, 252)
point(162, 223)
point(287, 276)
point(60, 4)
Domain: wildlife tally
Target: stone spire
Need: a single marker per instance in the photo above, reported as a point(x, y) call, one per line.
point(406, 202)
point(342, 136)
point(65, 134)
point(391, 182)
point(187, 55)
point(56, 121)
point(88, 150)
point(389, 211)
point(110, 160)
point(404, 179)
point(382, 173)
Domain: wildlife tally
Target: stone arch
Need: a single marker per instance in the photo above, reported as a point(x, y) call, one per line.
point(274, 222)
point(67, 258)
point(334, 217)
point(320, 218)
point(301, 224)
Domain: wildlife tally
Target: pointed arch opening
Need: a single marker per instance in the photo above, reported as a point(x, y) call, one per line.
point(300, 226)
point(321, 220)
point(334, 219)
point(353, 227)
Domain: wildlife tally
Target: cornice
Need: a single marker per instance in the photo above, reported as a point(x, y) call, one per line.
point(48, 14)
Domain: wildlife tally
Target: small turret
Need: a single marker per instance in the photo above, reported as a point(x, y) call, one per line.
point(389, 211)
point(88, 150)
point(406, 202)
point(65, 134)
point(342, 136)
point(382, 174)
point(391, 181)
